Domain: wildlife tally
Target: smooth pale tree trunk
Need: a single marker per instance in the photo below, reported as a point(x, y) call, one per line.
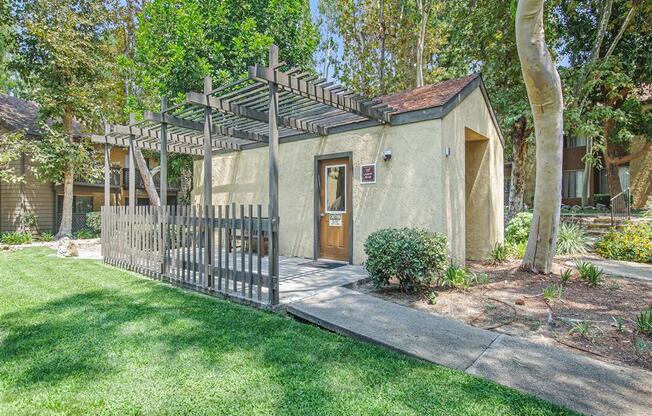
point(545, 95)
point(424, 12)
point(148, 180)
point(65, 228)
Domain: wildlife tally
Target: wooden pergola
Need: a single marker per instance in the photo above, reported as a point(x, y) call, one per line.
point(262, 108)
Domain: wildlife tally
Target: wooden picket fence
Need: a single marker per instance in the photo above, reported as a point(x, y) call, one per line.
point(209, 249)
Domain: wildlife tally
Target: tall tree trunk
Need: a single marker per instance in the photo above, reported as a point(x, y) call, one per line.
point(148, 180)
point(424, 12)
point(545, 95)
point(613, 179)
point(383, 35)
point(588, 170)
point(519, 134)
point(65, 228)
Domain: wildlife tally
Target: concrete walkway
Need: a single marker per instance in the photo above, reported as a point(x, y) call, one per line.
point(575, 381)
point(631, 270)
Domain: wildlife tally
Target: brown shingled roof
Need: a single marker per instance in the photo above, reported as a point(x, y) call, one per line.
point(17, 114)
point(428, 96)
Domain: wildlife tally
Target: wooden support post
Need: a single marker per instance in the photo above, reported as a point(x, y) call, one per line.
point(132, 166)
point(163, 185)
point(132, 189)
point(163, 175)
point(273, 183)
point(107, 171)
point(208, 183)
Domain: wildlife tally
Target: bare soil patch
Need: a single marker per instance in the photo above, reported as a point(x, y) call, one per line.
point(584, 320)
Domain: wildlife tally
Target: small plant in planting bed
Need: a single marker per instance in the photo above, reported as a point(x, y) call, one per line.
point(500, 253)
point(589, 272)
point(644, 322)
point(618, 323)
point(431, 298)
point(583, 329)
point(552, 292)
point(566, 275)
point(461, 277)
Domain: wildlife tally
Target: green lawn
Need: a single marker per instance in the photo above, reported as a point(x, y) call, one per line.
point(78, 337)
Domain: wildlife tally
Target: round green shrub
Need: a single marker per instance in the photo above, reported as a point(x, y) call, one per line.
point(413, 256)
point(94, 221)
point(632, 243)
point(518, 229)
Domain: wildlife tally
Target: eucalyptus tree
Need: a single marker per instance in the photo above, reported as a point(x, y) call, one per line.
point(546, 101)
point(481, 37)
point(66, 54)
point(387, 46)
point(610, 62)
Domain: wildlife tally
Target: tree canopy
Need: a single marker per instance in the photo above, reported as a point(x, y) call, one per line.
point(178, 43)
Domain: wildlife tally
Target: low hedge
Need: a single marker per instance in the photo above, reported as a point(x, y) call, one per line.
point(632, 243)
point(413, 256)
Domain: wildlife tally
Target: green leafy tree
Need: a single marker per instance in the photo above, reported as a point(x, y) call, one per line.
point(387, 46)
point(66, 52)
point(178, 43)
point(12, 146)
point(481, 37)
point(609, 63)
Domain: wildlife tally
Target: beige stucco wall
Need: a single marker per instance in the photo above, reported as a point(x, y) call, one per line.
point(413, 189)
point(406, 191)
point(473, 114)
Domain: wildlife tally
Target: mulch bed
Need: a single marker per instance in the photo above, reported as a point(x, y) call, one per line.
point(512, 302)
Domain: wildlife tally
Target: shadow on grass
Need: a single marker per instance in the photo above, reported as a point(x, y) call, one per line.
point(157, 347)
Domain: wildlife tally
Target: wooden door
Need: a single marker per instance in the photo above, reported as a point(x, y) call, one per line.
point(334, 208)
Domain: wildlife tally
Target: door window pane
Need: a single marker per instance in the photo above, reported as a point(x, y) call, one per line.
point(335, 189)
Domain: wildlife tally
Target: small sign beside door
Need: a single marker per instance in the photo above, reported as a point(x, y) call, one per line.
point(368, 173)
point(335, 220)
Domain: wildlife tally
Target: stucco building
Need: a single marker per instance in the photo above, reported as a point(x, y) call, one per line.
point(437, 164)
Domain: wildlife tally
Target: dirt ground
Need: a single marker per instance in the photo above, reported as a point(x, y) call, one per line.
point(582, 320)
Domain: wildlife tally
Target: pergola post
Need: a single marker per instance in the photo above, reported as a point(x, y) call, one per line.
point(132, 166)
point(273, 268)
point(163, 174)
point(163, 185)
point(208, 183)
point(107, 171)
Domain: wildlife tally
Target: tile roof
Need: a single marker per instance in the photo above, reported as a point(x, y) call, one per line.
point(428, 96)
point(18, 114)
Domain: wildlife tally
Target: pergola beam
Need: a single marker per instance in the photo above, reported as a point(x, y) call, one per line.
point(319, 94)
point(124, 142)
point(232, 107)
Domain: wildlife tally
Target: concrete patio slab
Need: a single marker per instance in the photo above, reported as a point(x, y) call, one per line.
point(426, 336)
point(575, 381)
point(298, 281)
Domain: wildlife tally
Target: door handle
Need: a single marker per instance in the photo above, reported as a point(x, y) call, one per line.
point(323, 214)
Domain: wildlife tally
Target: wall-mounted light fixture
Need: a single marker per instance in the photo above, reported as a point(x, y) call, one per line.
point(447, 152)
point(387, 155)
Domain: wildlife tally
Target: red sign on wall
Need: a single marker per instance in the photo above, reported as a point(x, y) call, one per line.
point(368, 173)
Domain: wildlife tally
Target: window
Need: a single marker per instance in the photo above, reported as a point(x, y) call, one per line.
point(335, 189)
point(571, 142)
point(80, 204)
point(572, 182)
